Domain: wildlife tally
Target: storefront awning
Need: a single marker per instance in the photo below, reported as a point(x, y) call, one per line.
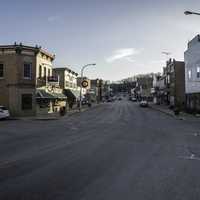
point(71, 94)
point(42, 94)
point(59, 95)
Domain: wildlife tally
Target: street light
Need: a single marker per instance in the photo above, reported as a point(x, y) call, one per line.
point(191, 13)
point(82, 70)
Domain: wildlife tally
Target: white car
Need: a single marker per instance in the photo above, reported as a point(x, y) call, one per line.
point(144, 103)
point(133, 99)
point(4, 113)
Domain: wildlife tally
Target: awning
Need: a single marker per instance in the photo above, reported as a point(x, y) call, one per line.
point(71, 94)
point(59, 95)
point(42, 94)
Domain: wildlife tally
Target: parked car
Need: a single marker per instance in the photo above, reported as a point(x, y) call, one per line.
point(133, 99)
point(84, 102)
point(4, 112)
point(144, 103)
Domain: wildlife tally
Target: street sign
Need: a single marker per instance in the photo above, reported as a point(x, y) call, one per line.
point(84, 84)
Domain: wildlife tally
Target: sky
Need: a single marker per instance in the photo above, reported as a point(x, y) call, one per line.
point(123, 37)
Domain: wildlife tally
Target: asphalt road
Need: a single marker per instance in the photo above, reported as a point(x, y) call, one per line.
point(113, 152)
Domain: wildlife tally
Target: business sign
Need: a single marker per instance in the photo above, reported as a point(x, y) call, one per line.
point(53, 80)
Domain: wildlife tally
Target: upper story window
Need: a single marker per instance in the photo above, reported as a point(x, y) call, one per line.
point(45, 71)
point(40, 71)
point(198, 71)
point(172, 68)
point(27, 70)
point(189, 74)
point(1, 70)
point(168, 79)
point(67, 83)
point(49, 72)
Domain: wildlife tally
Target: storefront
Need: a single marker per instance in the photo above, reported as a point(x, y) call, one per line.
point(48, 103)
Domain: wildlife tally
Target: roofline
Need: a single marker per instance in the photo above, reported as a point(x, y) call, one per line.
point(67, 69)
point(36, 48)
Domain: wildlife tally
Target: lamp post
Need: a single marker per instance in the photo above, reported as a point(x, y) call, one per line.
point(191, 13)
point(82, 70)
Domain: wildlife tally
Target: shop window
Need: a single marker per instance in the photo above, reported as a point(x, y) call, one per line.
point(27, 101)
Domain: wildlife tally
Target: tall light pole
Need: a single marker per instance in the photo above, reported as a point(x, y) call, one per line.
point(191, 13)
point(82, 70)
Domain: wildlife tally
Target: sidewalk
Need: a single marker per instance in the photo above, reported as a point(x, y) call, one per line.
point(182, 116)
point(56, 116)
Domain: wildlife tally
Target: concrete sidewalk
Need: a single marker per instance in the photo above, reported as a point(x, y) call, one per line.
point(182, 116)
point(57, 116)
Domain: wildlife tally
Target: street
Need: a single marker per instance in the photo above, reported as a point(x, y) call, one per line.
point(115, 151)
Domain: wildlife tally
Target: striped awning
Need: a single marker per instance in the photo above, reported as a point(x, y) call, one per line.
point(42, 94)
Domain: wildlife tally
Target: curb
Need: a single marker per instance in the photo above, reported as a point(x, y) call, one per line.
point(167, 113)
point(68, 114)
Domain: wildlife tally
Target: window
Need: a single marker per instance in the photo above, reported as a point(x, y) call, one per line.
point(168, 79)
point(45, 72)
point(40, 71)
point(1, 71)
point(49, 73)
point(27, 70)
point(198, 72)
point(26, 101)
point(67, 83)
point(172, 68)
point(189, 74)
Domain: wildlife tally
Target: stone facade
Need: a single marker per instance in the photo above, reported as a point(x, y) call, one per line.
point(25, 69)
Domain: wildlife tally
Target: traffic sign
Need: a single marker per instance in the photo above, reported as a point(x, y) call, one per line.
point(84, 84)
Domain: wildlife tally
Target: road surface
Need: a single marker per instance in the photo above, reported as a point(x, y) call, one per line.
point(112, 152)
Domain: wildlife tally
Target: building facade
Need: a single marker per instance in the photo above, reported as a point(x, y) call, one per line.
point(25, 70)
point(192, 75)
point(176, 83)
point(144, 86)
point(169, 88)
point(68, 82)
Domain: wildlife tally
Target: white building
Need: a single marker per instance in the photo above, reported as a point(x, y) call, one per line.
point(68, 82)
point(192, 74)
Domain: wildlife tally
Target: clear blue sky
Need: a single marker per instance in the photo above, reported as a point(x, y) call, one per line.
point(124, 37)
